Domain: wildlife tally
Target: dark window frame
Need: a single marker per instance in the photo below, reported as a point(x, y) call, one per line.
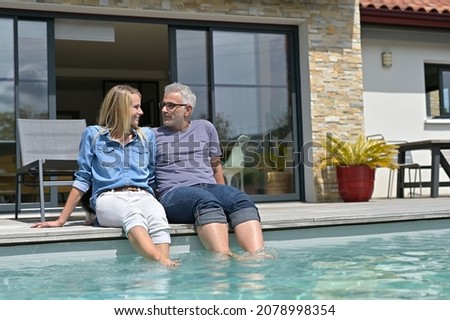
point(434, 80)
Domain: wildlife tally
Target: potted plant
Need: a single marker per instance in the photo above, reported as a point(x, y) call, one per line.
point(356, 162)
point(278, 180)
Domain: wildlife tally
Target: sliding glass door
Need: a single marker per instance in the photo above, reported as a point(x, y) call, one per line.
point(245, 85)
point(25, 92)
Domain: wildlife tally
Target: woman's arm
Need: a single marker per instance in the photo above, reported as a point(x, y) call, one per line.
point(72, 201)
point(82, 178)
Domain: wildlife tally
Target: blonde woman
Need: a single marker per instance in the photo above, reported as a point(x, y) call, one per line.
point(117, 160)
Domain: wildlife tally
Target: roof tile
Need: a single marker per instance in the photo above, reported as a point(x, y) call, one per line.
point(437, 6)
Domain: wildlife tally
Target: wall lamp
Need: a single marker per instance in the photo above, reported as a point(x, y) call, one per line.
point(386, 59)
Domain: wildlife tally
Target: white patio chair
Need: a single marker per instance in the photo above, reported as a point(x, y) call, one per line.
point(235, 163)
point(48, 151)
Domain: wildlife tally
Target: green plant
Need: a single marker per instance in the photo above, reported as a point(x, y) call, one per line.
point(277, 156)
point(374, 153)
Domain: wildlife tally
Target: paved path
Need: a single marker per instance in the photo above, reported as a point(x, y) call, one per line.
point(274, 216)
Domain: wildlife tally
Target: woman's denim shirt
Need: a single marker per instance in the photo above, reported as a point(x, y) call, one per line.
point(106, 164)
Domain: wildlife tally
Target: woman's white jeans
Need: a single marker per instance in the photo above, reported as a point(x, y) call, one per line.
point(128, 209)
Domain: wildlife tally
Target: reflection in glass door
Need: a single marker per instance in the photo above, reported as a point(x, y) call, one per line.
point(33, 69)
point(24, 85)
point(245, 84)
point(7, 127)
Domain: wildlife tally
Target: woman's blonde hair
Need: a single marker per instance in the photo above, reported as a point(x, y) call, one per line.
point(115, 111)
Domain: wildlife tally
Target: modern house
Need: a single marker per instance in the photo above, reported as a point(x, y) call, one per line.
point(284, 73)
point(406, 97)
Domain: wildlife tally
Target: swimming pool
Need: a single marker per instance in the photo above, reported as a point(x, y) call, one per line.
point(403, 260)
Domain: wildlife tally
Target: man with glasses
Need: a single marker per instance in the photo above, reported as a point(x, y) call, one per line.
point(190, 182)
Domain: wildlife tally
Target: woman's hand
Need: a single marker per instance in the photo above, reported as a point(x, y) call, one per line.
point(72, 201)
point(47, 224)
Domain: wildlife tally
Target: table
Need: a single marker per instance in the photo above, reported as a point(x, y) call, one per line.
point(437, 160)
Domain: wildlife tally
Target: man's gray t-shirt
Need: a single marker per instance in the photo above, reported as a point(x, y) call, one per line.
point(183, 158)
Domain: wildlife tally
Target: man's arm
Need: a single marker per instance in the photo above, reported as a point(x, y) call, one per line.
point(216, 165)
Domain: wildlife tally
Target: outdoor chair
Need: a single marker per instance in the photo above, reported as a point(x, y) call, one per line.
point(235, 162)
point(48, 155)
point(409, 166)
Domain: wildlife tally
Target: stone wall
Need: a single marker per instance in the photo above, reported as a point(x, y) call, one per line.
point(336, 86)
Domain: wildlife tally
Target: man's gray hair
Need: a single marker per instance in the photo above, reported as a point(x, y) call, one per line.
point(186, 93)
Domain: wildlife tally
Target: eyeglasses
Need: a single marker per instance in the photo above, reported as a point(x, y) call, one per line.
point(170, 106)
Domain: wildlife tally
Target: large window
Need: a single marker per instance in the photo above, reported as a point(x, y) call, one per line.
point(7, 112)
point(244, 81)
point(24, 87)
point(7, 80)
point(33, 69)
point(437, 85)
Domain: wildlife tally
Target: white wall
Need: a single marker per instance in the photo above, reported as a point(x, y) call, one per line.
point(394, 98)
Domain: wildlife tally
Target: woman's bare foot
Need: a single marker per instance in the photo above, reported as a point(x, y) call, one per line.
point(168, 262)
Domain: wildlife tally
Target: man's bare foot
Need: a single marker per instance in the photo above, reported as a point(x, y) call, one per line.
point(262, 253)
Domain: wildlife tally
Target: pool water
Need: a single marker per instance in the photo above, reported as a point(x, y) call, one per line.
point(396, 265)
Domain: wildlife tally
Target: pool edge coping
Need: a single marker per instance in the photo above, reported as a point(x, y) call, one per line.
point(76, 231)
